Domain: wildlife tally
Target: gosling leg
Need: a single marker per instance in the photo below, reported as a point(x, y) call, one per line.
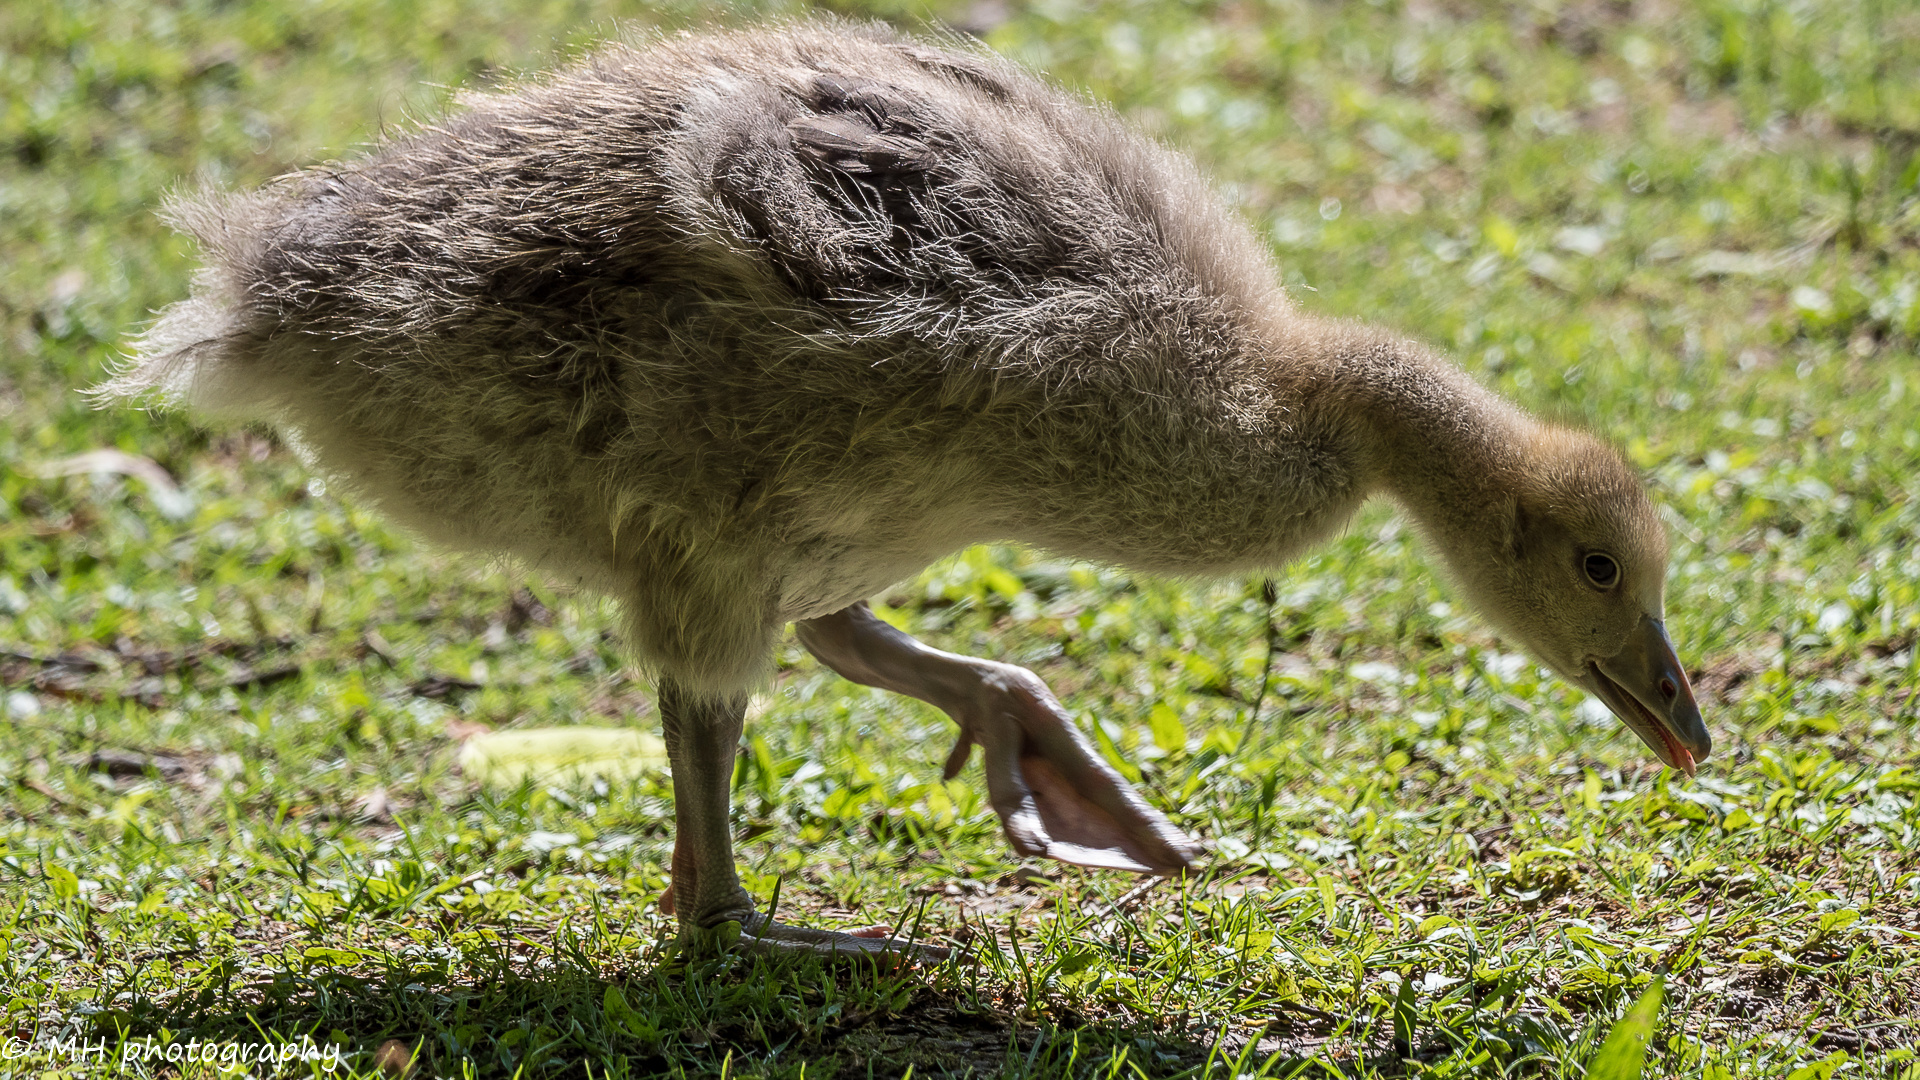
point(702, 736)
point(1053, 793)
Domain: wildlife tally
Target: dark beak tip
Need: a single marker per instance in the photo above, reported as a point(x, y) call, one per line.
point(1682, 718)
point(1691, 727)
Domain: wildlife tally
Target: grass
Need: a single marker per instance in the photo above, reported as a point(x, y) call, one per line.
point(233, 712)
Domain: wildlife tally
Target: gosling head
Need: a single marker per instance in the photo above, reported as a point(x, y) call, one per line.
point(1575, 569)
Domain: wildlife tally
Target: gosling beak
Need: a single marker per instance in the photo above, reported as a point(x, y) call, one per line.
point(1646, 687)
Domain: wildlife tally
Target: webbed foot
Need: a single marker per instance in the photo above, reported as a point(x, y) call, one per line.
point(762, 934)
point(1052, 791)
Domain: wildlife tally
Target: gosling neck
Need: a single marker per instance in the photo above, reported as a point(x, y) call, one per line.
point(1446, 449)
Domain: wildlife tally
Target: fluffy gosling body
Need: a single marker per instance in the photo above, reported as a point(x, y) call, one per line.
point(743, 327)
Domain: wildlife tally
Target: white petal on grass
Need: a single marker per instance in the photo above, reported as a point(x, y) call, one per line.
point(1550, 270)
point(1833, 617)
point(1581, 240)
point(1811, 300)
point(1236, 850)
point(1483, 269)
point(1508, 666)
point(1373, 671)
point(540, 842)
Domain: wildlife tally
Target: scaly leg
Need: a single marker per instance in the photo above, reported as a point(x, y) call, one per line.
point(1054, 794)
point(702, 736)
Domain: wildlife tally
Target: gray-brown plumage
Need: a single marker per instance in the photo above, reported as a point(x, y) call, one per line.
point(743, 327)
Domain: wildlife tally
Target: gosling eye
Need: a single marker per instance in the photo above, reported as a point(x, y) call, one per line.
point(1601, 570)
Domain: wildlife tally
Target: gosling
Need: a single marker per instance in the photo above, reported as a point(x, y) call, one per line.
point(743, 327)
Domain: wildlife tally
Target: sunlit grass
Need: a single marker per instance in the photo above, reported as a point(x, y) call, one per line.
point(233, 712)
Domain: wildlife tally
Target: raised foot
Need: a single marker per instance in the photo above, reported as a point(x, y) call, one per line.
point(1053, 793)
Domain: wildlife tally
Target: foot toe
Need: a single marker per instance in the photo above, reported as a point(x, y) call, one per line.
point(773, 937)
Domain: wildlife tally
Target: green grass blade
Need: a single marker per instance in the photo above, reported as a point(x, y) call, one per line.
point(1624, 1053)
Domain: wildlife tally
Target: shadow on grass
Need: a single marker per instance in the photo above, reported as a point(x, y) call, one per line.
point(557, 1015)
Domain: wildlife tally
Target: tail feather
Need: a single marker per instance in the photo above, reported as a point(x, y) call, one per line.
point(188, 355)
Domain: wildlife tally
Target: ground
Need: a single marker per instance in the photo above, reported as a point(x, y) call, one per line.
point(235, 706)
